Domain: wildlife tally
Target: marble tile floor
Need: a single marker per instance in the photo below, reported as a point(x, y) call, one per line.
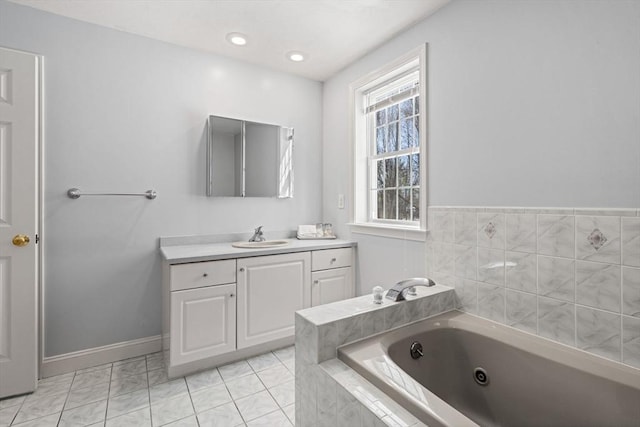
point(258, 391)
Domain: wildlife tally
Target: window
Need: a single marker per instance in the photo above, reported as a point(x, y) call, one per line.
point(393, 139)
point(389, 176)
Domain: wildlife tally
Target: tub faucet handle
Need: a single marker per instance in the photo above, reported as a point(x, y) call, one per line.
point(398, 292)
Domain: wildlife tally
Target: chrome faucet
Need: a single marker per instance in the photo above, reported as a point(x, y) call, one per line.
point(398, 292)
point(257, 235)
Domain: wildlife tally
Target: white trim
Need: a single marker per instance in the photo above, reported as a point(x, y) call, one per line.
point(394, 232)
point(358, 210)
point(40, 232)
point(82, 359)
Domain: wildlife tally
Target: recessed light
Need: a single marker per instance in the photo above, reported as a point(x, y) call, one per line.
point(237, 39)
point(296, 56)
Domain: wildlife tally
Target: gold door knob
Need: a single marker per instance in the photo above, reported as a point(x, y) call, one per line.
point(20, 240)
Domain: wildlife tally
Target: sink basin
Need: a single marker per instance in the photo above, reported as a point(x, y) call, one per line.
point(260, 245)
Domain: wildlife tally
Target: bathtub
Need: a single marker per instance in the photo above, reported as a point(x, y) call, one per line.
point(476, 372)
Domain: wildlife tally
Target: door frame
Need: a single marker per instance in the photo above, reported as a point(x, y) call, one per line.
point(40, 210)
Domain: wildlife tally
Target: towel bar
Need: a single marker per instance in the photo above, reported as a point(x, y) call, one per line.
point(74, 193)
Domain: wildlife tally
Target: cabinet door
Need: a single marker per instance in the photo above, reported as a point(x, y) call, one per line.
point(331, 285)
point(270, 290)
point(203, 323)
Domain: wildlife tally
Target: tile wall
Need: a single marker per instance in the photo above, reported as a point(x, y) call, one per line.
point(570, 275)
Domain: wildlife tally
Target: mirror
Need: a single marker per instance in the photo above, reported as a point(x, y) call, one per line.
point(248, 159)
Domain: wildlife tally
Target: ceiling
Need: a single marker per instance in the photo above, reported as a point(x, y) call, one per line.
point(332, 33)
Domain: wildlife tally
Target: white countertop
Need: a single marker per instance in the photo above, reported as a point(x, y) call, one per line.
point(180, 254)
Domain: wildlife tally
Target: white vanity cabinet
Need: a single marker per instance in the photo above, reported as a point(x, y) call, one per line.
point(203, 310)
point(331, 278)
point(270, 290)
point(221, 304)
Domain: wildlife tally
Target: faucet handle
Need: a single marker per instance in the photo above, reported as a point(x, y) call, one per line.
point(257, 235)
point(398, 291)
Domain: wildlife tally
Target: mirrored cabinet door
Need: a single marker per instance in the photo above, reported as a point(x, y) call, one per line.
point(248, 159)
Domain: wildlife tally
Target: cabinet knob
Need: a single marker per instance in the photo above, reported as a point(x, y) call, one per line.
point(232, 295)
point(241, 269)
point(315, 282)
point(333, 260)
point(205, 275)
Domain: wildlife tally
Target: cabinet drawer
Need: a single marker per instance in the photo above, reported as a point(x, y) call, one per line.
point(330, 258)
point(199, 274)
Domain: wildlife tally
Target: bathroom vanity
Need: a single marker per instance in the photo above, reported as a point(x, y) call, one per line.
point(222, 303)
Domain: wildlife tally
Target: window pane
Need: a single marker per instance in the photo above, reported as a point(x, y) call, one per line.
point(406, 133)
point(380, 204)
point(403, 171)
point(416, 204)
point(390, 173)
point(390, 204)
point(406, 108)
point(392, 141)
point(404, 205)
point(380, 139)
point(380, 173)
point(392, 113)
point(417, 104)
point(381, 117)
point(416, 133)
point(415, 169)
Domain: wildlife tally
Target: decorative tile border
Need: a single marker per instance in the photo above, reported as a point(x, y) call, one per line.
point(569, 274)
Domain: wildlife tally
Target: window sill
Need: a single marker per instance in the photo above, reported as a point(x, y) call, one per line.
point(390, 231)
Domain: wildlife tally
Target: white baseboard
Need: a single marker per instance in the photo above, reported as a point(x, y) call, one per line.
point(82, 359)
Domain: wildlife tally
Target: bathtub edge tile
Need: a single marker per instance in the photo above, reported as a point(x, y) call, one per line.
point(631, 341)
point(630, 231)
point(631, 291)
point(556, 320)
point(598, 332)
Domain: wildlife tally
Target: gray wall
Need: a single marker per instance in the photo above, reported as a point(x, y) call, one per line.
point(126, 113)
point(531, 103)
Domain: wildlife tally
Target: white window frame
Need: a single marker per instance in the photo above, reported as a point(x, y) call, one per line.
point(359, 209)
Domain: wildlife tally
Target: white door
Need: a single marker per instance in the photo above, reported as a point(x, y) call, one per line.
point(19, 130)
point(270, 290)
point(203, 323)
point(331, 285)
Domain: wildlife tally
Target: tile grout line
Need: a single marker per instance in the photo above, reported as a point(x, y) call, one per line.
point(106, 410)
point(195, 414)
point(149, 394)
point(279, 408)
point(18, 411)
point(66, 398)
